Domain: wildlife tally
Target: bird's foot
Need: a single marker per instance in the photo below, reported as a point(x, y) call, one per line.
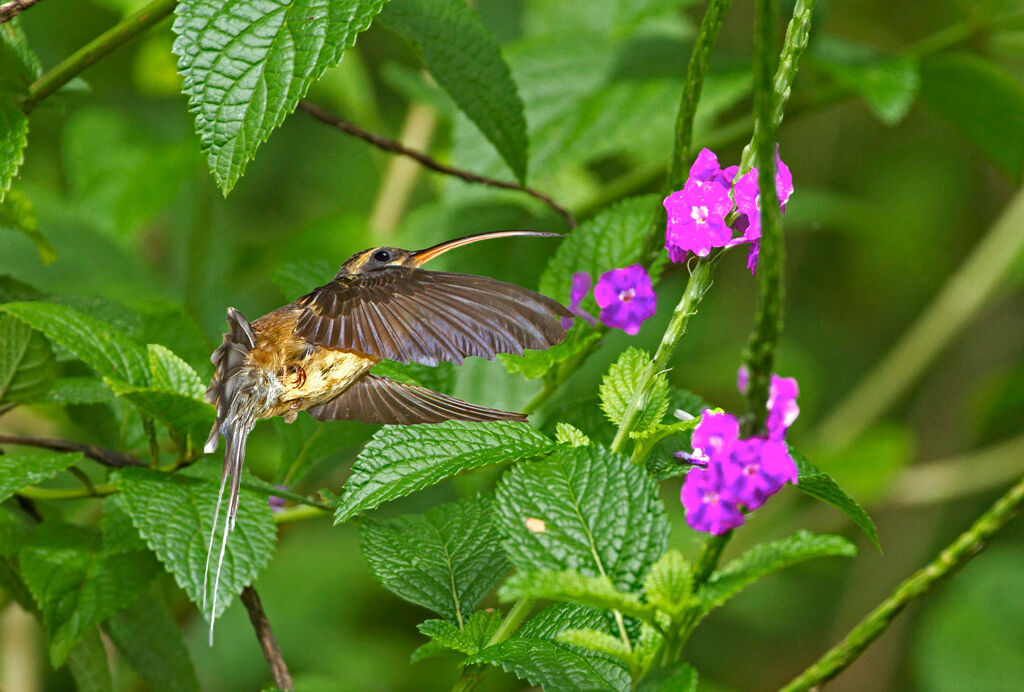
point(299, 373)
point(293, 411)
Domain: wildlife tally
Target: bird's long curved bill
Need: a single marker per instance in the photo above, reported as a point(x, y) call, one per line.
point(421, 257)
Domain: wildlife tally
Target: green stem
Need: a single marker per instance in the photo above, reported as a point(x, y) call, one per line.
point(128, 28)
point(68, 493)
point(973, 284)
point(299, 513)
point(700, 280)
point(955, 556)
point(709, 556)
point(760, 357)
point(471, 675)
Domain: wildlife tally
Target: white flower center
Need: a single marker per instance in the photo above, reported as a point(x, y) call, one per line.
point(627, 295)
point(710, 498)
point(699, 214)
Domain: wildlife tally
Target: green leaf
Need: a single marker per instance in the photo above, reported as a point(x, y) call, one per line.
point(669, 583)
point(817, 483)
point(149, 640)
point(299, 278)
point(478, 630)
point(623, 380)
point(601, 642)
point(463, 56)
point(534, 364)
point(246, 65)
point(446, 559)
point(888, 85)
point(27, 366)
point(181, 414)
point(171, 374)
point(19, 470)
point(566, 434)
point(679, 677)
point(88, 664)
point(583, 508)
point(983, 101)
point(400, 460)
point(440, 378)
point(570, 585)
point(174, 514)
point(533, 654)
point(119, 533)
point(19, 65)
point(13, 139)
point(17, 213)
point(610, 240)
point(78, 390)
point(766, 558)
point(76, 585)
point(109, 352)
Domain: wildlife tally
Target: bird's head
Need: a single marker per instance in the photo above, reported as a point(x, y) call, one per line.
point(377, 258)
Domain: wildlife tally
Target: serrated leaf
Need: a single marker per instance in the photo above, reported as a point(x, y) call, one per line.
point(446, 559)
point(982, 100)
point(534, 364)
point(108, 351)
point(461, 53)
point(246, 65)
point(679, 677)
point(13, 139)
point(582, 508)
point(75, 584)
point(298, 278)
point(27, 366)
point(181, 414)
point(19, 65)
point(174, 514)
point(766, 558)
point(602, 642)
point(669, 583)
point(19, 470)
point(170, 373)
point(149, 640)
point(119, 533)
point(78, 390)
point(400, 460)
point(88, 664)
point(570, 585)
point(610, 240)
point(478, 630)
point(566, 434)
point(17, 213)
point(624, 379)
point(816, 483)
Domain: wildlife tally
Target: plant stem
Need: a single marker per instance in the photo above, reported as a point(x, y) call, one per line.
point(10, 10)
point(707, 561)
point(973, 284)
point(955, 556)
point(68, 493)
point(299, 513)
point(128, 28)
point(700, 280)
point(107, 457)
point(265, 636)
point(471, 675)
point(760, 357)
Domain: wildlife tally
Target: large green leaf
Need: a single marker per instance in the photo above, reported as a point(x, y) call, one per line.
point(246, 65)
point(78, 390)
point(88, 664)
point(150, 641)
point(534, 655)
point(174, 514)
point(570, 585)
point(678, 677)
point(817, 483)
point(766, 558)
point(400, 460)
point(446, 559)
point(19, 470)
point(171, 374)
point(611, 240)
point(76, 584)
point(583, 508)
point(983, 101)
point(463, 56)
point(13, 139)
point(108, 351)
point(27, 367)
point(181, 414)
point(887, 84)
point(621, 383)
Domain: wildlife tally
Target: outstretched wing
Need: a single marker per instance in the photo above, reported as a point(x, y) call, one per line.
point(413, 315)
point(375, 399)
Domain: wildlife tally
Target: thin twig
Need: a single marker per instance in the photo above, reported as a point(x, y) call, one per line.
point(107, 457)
point(10, 10)
point(265, 635)
point(398, 148)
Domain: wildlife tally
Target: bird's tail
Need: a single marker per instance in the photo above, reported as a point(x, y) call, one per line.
point(235, 391)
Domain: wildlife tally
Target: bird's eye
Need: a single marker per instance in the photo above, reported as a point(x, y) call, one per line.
point(382, 256)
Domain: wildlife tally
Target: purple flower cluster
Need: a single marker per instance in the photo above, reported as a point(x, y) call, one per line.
point(697, 213)
point(626, 298)
point(737, 475)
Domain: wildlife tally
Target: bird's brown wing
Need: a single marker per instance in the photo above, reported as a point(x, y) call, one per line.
point(375, 399)
point(413, 315)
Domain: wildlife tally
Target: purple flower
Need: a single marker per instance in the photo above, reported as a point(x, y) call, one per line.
point(708, 504)
point(715, 434)
point(782, 406)
point(581, 282)
point(705, 168)
point(743, 379)
point(755, 469)
point(696, 219)
point(276, 503)
point(626, 298)
point(748, 204)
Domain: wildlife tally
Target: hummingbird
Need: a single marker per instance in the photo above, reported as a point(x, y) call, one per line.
point(315, 354)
